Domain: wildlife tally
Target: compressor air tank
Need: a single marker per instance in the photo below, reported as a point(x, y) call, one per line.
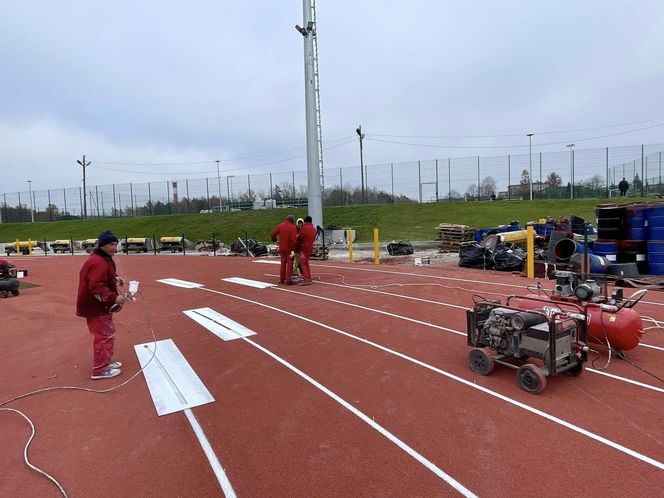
point(621, 329)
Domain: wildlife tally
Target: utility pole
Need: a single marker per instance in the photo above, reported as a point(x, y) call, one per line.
point(530, 162)
point(358, 130)
point(312, 112)
point(571, 168)
point(32, 208)
point(218, 185)
point(85, 193)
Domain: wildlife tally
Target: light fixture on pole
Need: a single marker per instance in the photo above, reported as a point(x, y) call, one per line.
point(218, 185)
point(571, 170)
point(530, 162)
point(32, 210)
point(358, 130)
point(84, 165)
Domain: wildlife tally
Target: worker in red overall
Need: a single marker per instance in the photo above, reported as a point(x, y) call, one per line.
point(305, 244)
point(286, 233)
point(97, 297)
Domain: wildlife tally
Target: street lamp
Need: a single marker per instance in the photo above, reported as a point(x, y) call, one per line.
point(32, 210)
point(530, 162)
point(358, 130)
point(228, 190)
point(218, 185)
point(571, 168)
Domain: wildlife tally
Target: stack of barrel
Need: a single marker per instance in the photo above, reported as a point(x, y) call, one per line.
point(625, 237)
point(655, 231)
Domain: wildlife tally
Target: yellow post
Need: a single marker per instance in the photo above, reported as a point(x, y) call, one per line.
point(376, 247)
point(349, 234)
point(29, 247)
point(530, 262)
point(17, 247)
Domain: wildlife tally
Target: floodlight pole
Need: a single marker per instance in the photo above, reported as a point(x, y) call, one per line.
point(32, 209)
point(530, 162)
point(571, 169)
point(85, 193)
point(218, 185)
point(358, 130)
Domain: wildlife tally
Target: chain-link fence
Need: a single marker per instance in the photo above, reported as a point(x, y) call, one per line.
point(549, 175)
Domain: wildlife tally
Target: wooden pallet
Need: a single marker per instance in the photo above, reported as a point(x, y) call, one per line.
point(452, 246)
point(455, 233)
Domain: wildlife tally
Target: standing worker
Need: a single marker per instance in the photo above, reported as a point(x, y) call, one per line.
point(296, 257)
point(623, 186)
point(286, 233)
point(306, 247)
point(97, 298)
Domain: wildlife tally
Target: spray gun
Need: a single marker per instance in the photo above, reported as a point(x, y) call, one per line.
point(133, 289)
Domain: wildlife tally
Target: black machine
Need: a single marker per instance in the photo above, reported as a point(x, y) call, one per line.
point(511, 336)
point(8, 282)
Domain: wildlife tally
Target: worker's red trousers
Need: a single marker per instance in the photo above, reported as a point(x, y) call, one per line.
point(305, 269)
point(103, 331)
point(286, 270)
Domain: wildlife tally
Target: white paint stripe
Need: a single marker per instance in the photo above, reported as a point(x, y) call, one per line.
point(212, 458)
point(172, 383)
point(179, 283)
point(468, 383)
point(267, 261)
point(374, 425)
point(250, 283)
point(630, 381)
point(220, 325)
point(651, 346)
point(374, 310)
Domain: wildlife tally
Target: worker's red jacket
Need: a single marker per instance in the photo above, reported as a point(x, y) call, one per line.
point(306, 238)
point(97, 287)
point(287, 234)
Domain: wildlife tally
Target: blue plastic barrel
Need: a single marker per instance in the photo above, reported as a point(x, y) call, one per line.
point(656, 257)
point(606, 248)
point(597, 264)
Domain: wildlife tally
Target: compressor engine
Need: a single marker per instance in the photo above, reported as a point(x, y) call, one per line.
point(510, 336)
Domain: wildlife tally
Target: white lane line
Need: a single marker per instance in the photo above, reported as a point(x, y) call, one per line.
point(374, 310)
point(407, 297)
point(347, 286)
point(374, 425)
point(647, 386)
point(267, 261)
point(356, 268)
point(218, 470)
point(535, 411)
point(651, 346)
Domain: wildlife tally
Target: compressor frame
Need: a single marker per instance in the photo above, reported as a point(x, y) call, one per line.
point(530, 377)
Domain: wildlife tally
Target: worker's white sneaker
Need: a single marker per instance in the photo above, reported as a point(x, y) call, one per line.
point(115, 364)
point(107, 374)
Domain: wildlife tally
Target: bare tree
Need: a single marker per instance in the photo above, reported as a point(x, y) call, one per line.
point(553, 180)
point(487, 186)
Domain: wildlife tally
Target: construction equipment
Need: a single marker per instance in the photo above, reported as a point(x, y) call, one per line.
point(9, 285)
point(61, 246)
point(512, 336)
point(137, 244)
point(173, 244)
point(89, 244)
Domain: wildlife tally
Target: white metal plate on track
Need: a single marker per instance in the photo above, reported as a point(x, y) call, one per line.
point(250, 283)
point(267, 261)
point(173, 384)
point(220, 325)
point(179, 283)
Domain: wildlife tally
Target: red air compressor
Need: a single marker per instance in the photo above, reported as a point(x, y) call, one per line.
point(610, 321)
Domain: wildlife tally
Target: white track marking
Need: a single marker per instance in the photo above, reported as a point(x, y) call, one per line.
point(651, 346)
point(211, 456)
point(647, 386)
point(179, 283)
point(379, 428)
point(220, 325)
point(267, 261)
point(249, 283)
point(552, 418)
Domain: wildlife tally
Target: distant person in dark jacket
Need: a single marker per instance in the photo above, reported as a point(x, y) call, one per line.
point(97, 298)
point(623, 186)
point(286, 233)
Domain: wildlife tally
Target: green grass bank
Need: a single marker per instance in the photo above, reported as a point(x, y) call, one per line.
point(395, 221)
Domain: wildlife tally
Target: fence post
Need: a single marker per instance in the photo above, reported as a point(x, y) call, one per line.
point(540, 182)
point(449, 179)
point(608, 187)
point(115, 207)
point(293, 173)
point(436, 180)
point(249, 186)
point(419, 180)
point(131, 194)
point(271, 185)
point(184, 246)
point(80, 199)
point(643, 178)
point(150, 198)
point(168, 196)
point(214, 241)
point(186, 182)
point(509, 176)
point(341, 185)
point(207, 189)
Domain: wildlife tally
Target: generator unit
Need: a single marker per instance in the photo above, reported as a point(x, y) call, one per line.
point(512, 336)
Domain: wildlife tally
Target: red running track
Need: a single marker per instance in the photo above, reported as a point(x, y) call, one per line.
point(395, 354)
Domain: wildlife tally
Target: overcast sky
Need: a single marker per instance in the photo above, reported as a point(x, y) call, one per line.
point(130, 83)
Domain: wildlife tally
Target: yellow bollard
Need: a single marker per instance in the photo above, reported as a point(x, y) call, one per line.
point(17, 247)
point(530, 262)
point(349, 234)
point(376, 247)
point(29, 247)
